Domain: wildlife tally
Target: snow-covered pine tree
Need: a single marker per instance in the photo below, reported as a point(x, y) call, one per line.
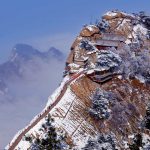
point(102, 142)
point(100, 103)
point(108, 60)
point(50, 139)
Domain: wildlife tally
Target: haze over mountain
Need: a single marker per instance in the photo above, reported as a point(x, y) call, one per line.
point(26, 80)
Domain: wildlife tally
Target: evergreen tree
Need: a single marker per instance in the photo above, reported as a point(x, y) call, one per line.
point(147, 117)
point(100, 103)
point(137, 142)
point(103, 142)
point(50, 139)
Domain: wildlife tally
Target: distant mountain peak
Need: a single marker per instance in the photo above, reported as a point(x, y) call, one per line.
point(27, 52)
point(54, 52)
point(23, 53)
point(23, 50)
point(22, 46)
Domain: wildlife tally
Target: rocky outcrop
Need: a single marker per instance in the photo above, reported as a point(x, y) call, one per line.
point(89, 31)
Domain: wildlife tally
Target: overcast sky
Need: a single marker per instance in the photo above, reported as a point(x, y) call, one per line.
point(45, 23)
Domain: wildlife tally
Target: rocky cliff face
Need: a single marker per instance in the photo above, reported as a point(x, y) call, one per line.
point(104, 99)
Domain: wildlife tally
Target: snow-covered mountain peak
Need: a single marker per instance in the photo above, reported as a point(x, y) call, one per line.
point(103, 100)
